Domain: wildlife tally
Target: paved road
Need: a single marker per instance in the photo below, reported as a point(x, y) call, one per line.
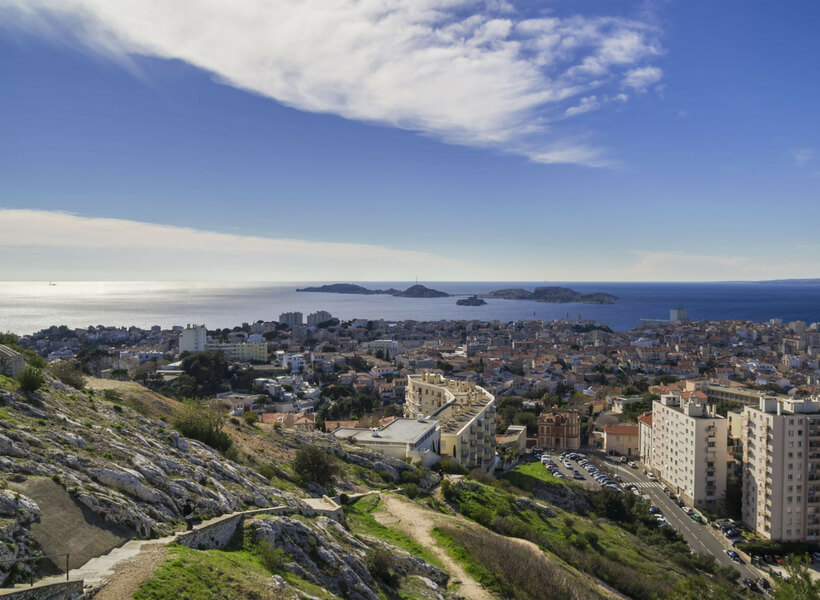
point(701, 538)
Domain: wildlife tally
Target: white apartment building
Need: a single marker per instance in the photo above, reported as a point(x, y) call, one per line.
point(781, 469)
point(689, 449)
point(466, 413)
point(193, 338)
point(291, 319)
point(320, 316)
point(295, 362)
point(242, 352)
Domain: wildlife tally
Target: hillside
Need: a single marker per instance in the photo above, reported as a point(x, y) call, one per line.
point(82, 471)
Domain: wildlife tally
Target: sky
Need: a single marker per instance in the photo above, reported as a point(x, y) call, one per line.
point(444, 140)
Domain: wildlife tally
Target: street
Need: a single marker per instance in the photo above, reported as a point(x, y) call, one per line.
point(701, 538)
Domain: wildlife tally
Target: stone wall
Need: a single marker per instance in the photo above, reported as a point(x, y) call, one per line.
point(68, 590)
point(217, 534)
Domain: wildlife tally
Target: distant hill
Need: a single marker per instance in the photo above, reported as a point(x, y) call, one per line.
point(414, 291)
point(793, 281)
point(553, 294)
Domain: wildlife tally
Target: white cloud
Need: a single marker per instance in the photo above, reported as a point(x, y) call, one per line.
point(489, 79)
point(585, 105)
point(47, 244)
point(641, 78)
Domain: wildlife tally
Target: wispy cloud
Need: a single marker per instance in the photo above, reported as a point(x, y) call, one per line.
point(36, 241)
point(468, 72)
point(641, 78)
point(683, 266)
point(804, 156)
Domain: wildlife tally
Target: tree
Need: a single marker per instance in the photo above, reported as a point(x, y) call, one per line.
point(30, 379)
point(69, 373)
point(314, 464)
point(209, 370)
point(799, 585)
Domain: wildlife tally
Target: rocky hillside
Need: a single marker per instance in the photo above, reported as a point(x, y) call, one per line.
point(117, 456)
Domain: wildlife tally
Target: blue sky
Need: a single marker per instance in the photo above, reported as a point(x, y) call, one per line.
point(454, 140)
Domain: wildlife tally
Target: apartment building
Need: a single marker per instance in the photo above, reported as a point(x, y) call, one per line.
point(193, 339)
point(313, 319)
point(781, 469)
point(242, 352)
point(689, 448)
point(291, 319)
point(559, 430)
point(466, 413)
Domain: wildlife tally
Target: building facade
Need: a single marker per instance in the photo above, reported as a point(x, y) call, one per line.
point(11, 362)
point(689, 449)
point(622, 440)
point(645, 438)
point(313, 319)
point(559, 430)
point(466, 413)
point(291, 319)
point(193, 339)
point(242, 352)
point(781, 469)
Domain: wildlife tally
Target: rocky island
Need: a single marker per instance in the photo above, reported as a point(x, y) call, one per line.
point(471, 301)
point(553, 294)
point(414, 291)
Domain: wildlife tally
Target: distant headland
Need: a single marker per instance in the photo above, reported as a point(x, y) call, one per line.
point(414, 291)
point(553, 294)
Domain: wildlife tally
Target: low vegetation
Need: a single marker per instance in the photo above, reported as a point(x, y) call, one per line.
point(30, 379)
point(508, 567)
point(314, 464)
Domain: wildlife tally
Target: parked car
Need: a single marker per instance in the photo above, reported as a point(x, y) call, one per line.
point(696, 517)
point(687, 509)
point(623, 459)
point(654, 510)
point(632, 464)
point(815, 556)
point(764, 583)
point(733, 555)
point(679, 502)
point(750, 583)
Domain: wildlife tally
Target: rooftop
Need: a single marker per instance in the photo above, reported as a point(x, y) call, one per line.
point(402, 431)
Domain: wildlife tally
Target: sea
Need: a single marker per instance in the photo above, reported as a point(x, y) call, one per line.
point(26, 307)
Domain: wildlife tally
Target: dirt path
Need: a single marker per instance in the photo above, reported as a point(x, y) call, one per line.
point(418, 524)
point(131, 574)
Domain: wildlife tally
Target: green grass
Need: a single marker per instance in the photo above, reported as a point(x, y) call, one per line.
point(593, 545)
point(5, 416)
point(526, 477)
point(8, 384)
point(205, 575)
point(361, 520)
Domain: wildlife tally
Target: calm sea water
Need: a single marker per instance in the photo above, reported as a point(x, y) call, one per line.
point(28, 307)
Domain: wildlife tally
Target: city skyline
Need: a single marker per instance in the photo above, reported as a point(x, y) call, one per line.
point(454, 141)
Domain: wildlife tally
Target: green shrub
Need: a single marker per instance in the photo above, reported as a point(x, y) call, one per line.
point(56, 478)
point(274, 559)
point(204, 423)
point(411, 490)
point(314, 464)
point(69, 373)
point(379, 562)
point(30, 379)
point(250, 417)
point(112, 395)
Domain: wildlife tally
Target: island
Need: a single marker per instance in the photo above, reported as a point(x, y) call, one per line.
point(553, 294)
point(471, 301)
point(414, 291)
